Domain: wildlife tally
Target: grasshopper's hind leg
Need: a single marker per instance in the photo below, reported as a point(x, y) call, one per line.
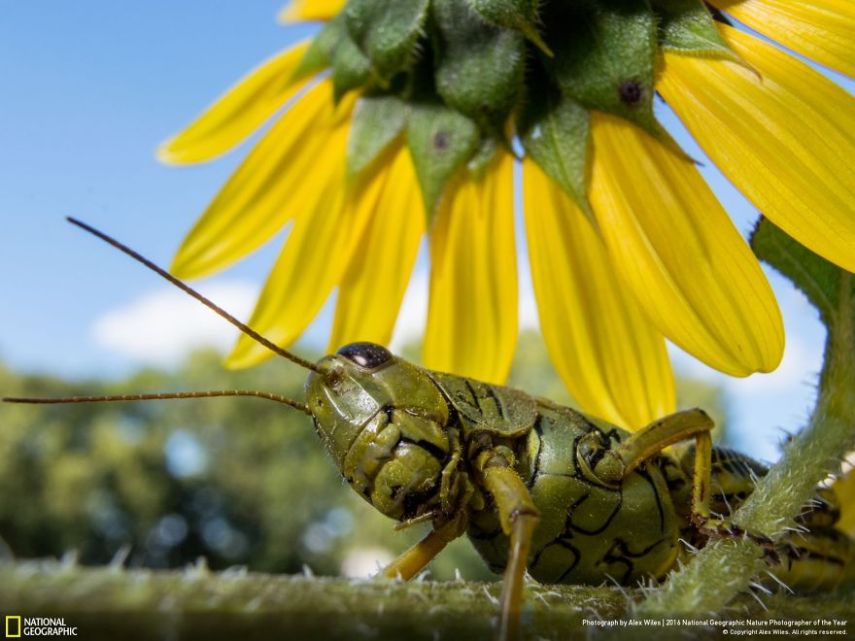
point(618, 462)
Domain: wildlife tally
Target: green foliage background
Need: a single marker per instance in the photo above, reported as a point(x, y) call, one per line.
point(235, 481)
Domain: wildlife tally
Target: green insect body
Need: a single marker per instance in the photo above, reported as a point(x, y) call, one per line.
point(406, 438)
point(588, 532)
point(535, 486)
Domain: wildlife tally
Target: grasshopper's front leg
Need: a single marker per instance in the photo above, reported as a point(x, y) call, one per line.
point(617, 463)
point(519, 518)
point(410, 562)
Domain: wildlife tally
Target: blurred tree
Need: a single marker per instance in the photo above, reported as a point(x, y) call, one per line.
point(236, 481)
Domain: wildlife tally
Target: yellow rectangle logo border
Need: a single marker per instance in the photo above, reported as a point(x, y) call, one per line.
point(9, 619)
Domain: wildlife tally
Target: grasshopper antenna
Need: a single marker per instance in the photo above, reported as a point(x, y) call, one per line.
point(160, 397)
point(246, 329)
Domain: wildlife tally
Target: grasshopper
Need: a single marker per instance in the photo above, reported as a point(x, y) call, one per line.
point(536, 486)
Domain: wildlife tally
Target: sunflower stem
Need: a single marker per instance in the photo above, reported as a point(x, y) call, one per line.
point(816, 451)
point(114, 602)
point(725, 568)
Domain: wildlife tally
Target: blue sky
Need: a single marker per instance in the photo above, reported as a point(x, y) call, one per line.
point(90, 89)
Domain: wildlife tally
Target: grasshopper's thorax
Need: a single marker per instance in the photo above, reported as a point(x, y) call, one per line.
point(384, 423)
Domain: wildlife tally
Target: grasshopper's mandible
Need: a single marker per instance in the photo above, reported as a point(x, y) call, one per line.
point(534, 485)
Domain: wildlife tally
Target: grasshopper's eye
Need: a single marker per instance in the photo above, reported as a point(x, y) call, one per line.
point(367, 355)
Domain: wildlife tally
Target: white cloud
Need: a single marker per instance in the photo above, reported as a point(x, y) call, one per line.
point(162, 327)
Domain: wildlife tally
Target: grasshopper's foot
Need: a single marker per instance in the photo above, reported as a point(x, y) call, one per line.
point(715, 529)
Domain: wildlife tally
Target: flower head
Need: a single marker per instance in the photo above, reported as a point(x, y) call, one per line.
point(403, 120)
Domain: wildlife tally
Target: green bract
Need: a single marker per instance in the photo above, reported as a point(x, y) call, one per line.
point(441, 140)
point(554, 132)
point(377, 121)
point(478, 68)
point(686, 25)
point(462, 77)
point(386, 31)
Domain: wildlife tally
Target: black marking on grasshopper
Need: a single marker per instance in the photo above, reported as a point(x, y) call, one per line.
point(794, 553)
point(562, 541)
point(736, 463)
point(576, 559)
point(577, 556)
point(500, 407)
point(473, 398)
point(577, 473)
point(620, 552)
point(480, 401)
point(427, 446)
point(611, 559)
point(570, 526)
point(643, 474)
point(810, 554)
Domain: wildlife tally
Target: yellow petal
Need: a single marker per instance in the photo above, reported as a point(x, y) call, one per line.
point(472, 312)
point(822, 30)
point(238, 112)
point(785, 139)
point(608, 354)
point(675, 247)
point(298, 10)
point(312, 262)
point(285, 174)
point(372, 290)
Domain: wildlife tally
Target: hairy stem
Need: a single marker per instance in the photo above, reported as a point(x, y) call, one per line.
point(115, 603)
point(817, 450)
point(725, 568)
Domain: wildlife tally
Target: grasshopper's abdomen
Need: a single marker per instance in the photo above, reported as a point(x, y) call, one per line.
point(588, 533)
point(813, 556)
point(818, 559)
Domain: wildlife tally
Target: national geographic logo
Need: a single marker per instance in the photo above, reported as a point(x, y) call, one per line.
point(13, 627)
point(17, 627)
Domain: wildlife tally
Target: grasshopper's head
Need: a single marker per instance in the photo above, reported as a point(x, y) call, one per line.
point(382, 419)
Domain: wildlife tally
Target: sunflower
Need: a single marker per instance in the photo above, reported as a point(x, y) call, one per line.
point(405, 120)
